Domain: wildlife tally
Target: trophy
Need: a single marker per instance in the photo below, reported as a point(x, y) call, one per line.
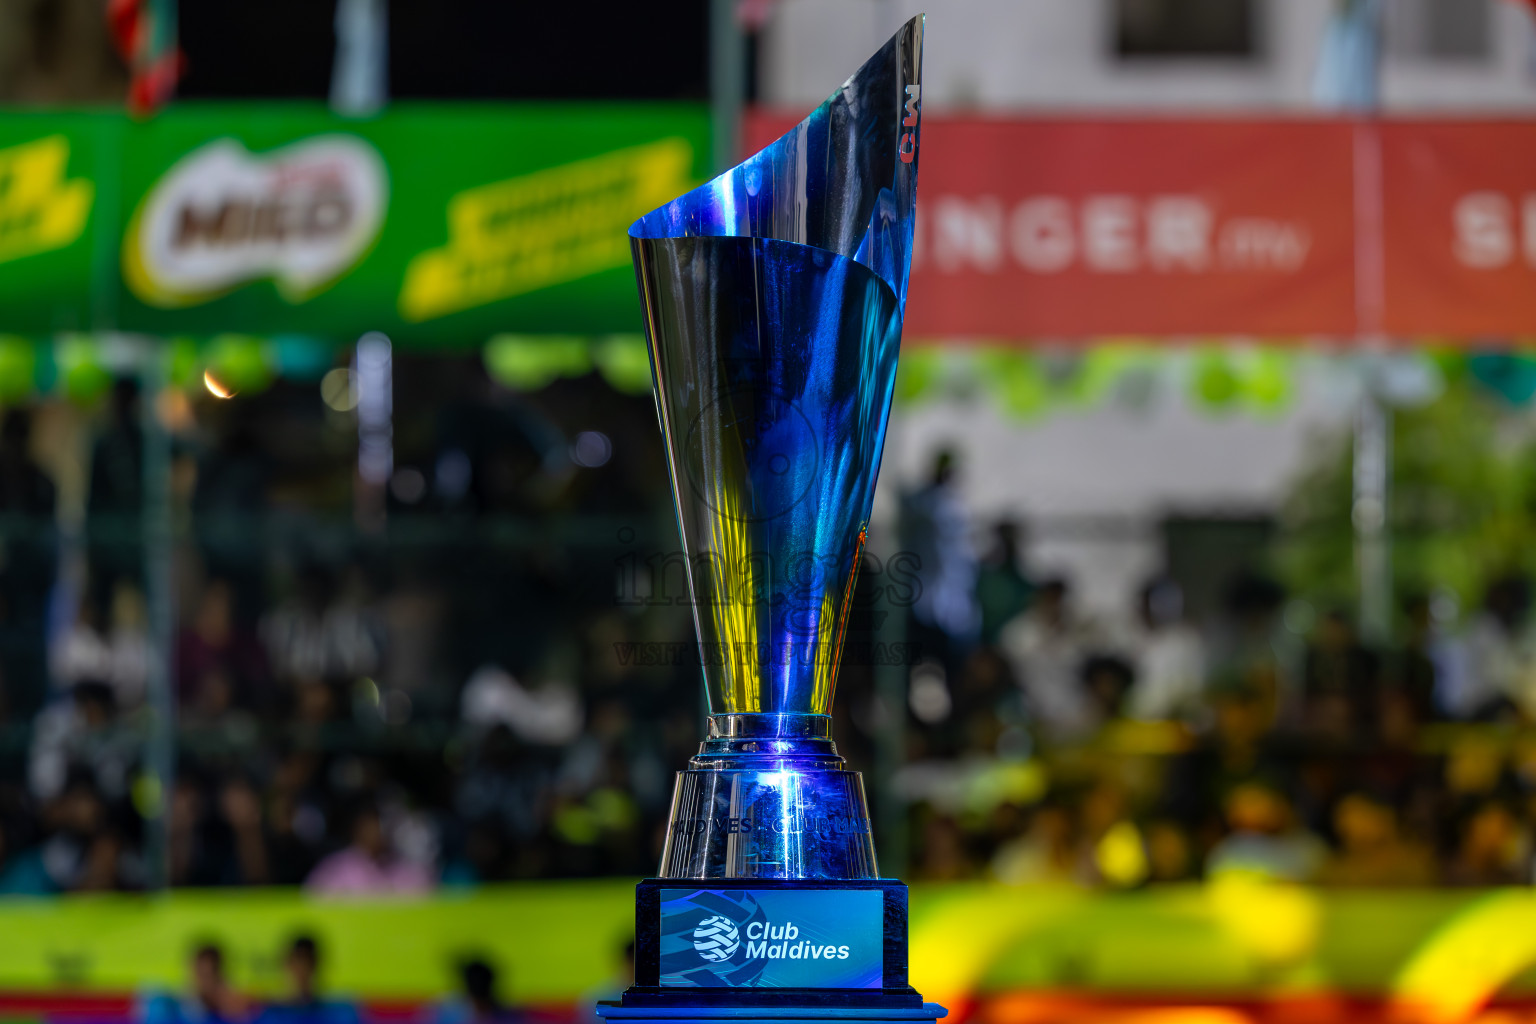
point(773, 300)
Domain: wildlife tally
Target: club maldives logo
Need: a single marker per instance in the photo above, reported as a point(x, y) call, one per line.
point(732, 938)
point(716, 939)
point(302, 215)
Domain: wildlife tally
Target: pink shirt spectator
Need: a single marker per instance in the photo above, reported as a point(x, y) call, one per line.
point(353, 872)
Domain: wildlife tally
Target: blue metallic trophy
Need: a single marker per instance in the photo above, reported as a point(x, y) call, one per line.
point(773, 300)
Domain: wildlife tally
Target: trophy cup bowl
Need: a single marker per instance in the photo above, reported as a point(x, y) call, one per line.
point(773, 299)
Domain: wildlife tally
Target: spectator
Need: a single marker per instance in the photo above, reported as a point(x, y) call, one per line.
point(353, 628)
point(298, 811)
point(1105, 833)
point(22, 870)
point(986, 702)
point(27, 500)
point(229, 494)
point(294, 631)
point(304, 1003)
point(84, 851)
point(128, 645)
point(321, 634)
point(1046, 647)
point(240, 807)
point(1044, 854)
point(1499, 661)
point(945, 617)
point(550, 716)
point(368, 866)
point(1002, 589)
point(216, 651)
point(1168, 656)
point(1170, 856)
point(1372, 850)
point(119, 656)
point(212, 999)
point(1340, 680)
point(79, 734)
point(1413, 673)
point(1491, 848)
point(218, 843)
point(1264, 839)
point(1253, 647)
point(116, 498)
point(481, 1002)
point(1107, 679)
point(81, 651)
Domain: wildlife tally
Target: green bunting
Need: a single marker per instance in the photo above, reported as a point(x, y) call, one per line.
point(18, 368)
point(525, 362)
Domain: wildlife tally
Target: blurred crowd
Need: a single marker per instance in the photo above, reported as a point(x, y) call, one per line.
point(358, 708)
point(1047, 743)
point(448, 701)
point(211, 997)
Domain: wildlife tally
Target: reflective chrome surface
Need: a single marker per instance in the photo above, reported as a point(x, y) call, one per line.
point(788, 820)
point(773, 300)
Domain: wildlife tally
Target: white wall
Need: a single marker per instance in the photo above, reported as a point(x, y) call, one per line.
point(1098, 481)
point(1057, 54)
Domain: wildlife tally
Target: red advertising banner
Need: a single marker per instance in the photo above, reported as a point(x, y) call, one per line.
point(1459, 228)
point(1070, 229)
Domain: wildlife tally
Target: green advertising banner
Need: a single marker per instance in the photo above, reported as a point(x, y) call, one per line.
point(438, 225)
point(58, 219)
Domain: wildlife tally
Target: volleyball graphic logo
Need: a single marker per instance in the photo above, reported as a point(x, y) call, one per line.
point(715, 938)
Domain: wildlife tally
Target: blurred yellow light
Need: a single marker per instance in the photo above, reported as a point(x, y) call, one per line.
point(1120, 856)
point(1274, 921)
point(1468, 959)
point(215, 388)
point(338, 389)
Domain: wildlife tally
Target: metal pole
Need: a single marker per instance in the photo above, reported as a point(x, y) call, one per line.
point(727, 81)
point(1349, 79)
point(1372, 500)
point(360, 77)
point(1372, 494)
point(160, 741)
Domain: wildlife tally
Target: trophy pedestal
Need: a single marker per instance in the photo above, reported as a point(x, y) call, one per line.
point(769, 817)
point(617, 1013)
point(770, 949)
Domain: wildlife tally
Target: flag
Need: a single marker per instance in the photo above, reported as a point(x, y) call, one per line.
point(144, 33)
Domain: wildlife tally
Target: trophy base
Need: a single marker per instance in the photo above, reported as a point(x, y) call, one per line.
point(761, 823)
point(773, 944)
point(767, 797)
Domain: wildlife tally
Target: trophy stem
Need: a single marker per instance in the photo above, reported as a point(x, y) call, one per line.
point(801, 735)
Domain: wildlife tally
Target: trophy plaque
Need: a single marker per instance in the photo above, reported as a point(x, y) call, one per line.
point(773, 299)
